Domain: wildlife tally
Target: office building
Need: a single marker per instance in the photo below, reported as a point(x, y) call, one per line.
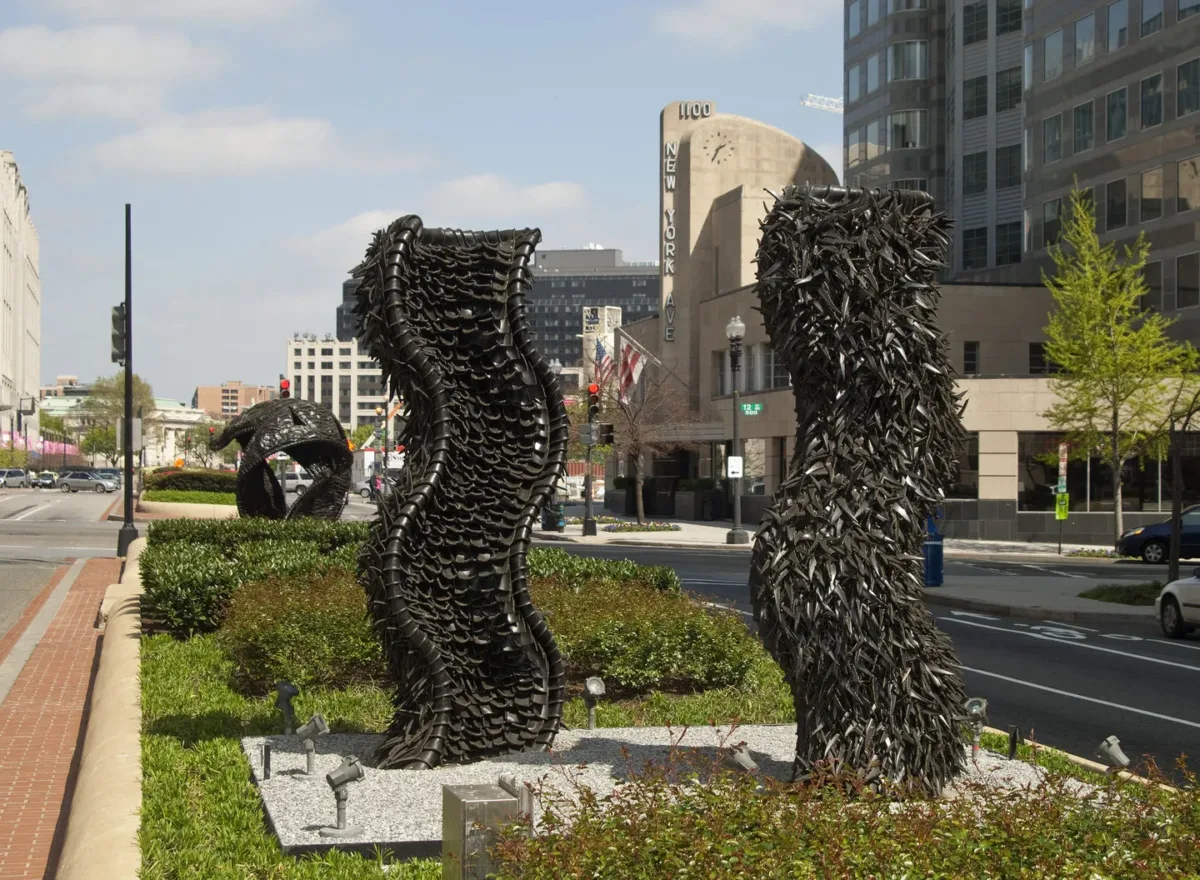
point(347, 318)
point(65, 386)
point(20, 308)
point(230, 399)
point(1011, 102)
point(337, 373)
point(565, 281)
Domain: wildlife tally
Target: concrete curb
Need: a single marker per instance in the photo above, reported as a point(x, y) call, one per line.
point(188, 511)
point(932, 597)
point(1088, 764)
point(102, 827)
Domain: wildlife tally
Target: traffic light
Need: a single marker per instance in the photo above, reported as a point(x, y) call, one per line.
point(285, 387)
point(211, 431)
point(593, 402)
point(119, 348)
point(605, 437)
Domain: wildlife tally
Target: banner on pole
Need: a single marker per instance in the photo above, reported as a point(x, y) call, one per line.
point(137, 435)
point(1061, 505)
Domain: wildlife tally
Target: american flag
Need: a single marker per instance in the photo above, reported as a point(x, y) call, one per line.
point(604, 363)
point(632, 364)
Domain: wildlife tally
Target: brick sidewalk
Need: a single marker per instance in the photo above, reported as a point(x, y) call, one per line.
point(41, 725)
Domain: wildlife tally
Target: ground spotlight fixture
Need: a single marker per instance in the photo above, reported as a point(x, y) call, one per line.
point(266, 759)
point(287, 692)
point(315, 727)
point(593, 690)
point(1110, 753)
point(349, 771)
point(977, 713)
point(739, 759)
point(1014, 739)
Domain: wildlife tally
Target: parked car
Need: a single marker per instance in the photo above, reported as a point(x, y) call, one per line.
point(1150, 542)
point(86, 481)
point(114, 474)
point(364, 487)
point(45, 480)
point(14, 478)
point(1178, 606)
point(296, 482)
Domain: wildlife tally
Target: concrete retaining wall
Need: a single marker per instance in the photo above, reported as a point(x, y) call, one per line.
point(189, 511)
point(102, 827)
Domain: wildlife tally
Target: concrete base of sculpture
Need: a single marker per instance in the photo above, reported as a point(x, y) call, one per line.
point(400, 811)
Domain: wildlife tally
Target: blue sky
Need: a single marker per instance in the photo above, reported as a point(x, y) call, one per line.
point(262, 141)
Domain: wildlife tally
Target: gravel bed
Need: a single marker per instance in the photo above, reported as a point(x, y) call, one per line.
point(402, 810)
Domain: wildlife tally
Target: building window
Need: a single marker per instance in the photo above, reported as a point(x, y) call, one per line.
point(1027, 223)
point(1008, 166)
point(1085, 127)
point(327, 352)
point(1152, 16)
point(908, 130)
point(1052, 59)
point(1118, 25)
point(312, 365)
point(873, 8)
point(296, 365)
point(852, 84)
point(1188, 8)
point(974, 248)
point(874, 144)
point(1085, 40)
point(1152, 194)
point(1187, 281)
point(1008, 89)
point(1008, 17)
point(853, 147)
point(1027, 67)
point(775, 371)
point(970, 358)
point(872, 73)
point(1114, 200)
point(1188, 88)
point(912, 183)
point(904, 5)
point(1152, 101)
point(326, 365)
point(1039, 364)
point(1008, 243)
point(1051, 222)
point(344, 365)
point(975, 22)
point(908, 61)
point(854, 18)
point(1189, 185)
point(975, 99)
point(975, 173)
point(1116, 114)
point(1152, 276)
point(1027, 150)
point(1052, 139)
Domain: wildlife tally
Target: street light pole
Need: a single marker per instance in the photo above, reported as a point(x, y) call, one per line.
point(129, 532)
point(735, 330)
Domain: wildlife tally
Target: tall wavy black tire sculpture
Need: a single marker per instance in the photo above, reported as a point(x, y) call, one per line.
point(312, 437)
point(846, 289)
point(477, 668)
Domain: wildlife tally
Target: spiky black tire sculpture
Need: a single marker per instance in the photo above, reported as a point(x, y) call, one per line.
point(477, 668)
point(846, 289)
point(312, 437)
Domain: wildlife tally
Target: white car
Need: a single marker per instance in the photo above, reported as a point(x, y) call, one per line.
point(1178, 606)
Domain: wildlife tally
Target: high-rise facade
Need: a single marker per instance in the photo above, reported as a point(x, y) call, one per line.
point(230, 399)
point(1023, 98)
point(20, 308)
point(347, 317)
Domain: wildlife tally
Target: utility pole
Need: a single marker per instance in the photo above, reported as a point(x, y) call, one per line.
point(129, 531)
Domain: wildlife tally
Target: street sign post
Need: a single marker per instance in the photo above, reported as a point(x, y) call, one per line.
point(751, 409)
point(1062, 504)
point(1062, 468)
point(733, 467)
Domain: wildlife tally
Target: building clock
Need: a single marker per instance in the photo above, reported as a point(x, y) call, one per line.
point(718, 148)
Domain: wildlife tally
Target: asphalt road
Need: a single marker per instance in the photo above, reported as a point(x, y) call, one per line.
point(1069, 686)
point(41, 529)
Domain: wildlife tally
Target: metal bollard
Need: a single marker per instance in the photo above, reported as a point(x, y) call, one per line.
point(471, 816)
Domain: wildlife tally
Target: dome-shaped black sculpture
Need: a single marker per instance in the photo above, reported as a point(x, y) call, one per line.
point(478, 671)
point(310, 436)
point(846, 289)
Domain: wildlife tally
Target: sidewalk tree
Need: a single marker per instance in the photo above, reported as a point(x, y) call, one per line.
point(1113, 359)
point(105, 404)
point(361, 435)
point(102, 441)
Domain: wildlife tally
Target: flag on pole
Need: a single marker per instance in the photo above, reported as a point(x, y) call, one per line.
point(632, 364)
point(604, 363)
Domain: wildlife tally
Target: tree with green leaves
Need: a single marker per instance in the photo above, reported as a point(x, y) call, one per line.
point(105, 405)
point(1114, 359)
point(361, 435)
point(102, 441)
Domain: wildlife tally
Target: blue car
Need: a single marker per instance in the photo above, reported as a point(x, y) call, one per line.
point(1150, 542)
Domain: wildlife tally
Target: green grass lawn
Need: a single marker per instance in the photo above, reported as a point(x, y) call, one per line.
point(182, 496)
point(1124, 594)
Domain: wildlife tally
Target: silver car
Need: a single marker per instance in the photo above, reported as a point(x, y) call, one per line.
point(85, 481)
point(14, 478)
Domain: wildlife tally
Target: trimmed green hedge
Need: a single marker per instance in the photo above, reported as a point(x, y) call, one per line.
point(180, 496)
point(194, 481)
point(229, 534)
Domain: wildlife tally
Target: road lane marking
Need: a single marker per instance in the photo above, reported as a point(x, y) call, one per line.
point(728, 608)
point(1071, 625)
point(1051, 570)
point(1076, 644)
point(1176, 644)
point(30, 512)
point(1002, 571)
point(973, 614)
point(1042, 687)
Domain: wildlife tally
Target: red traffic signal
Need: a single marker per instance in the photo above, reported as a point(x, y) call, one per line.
point(285, 388)
point(593, 388)
point(593, 402)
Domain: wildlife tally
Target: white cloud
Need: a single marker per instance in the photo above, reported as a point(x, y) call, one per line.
point(731, 26)
point(224, 13)
point(488, 195)
point(113, 71)
point(240, 141)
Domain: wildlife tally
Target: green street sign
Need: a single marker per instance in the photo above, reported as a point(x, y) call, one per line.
point(751, 409)
point(1060, 506)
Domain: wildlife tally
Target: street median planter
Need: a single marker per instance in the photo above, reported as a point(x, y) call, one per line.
point(188, 511)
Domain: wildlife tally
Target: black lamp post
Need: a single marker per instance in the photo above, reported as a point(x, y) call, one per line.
point(735, 330)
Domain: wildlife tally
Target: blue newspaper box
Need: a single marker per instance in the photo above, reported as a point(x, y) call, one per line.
point(933, 555)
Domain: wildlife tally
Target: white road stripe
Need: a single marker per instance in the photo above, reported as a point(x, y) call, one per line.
point(1176, 644)
point(1072, 625)
point(728, 608)
point(29, 512)
point(1051, 570)
point(1042, 687)
point(1075, 643)
point(1002, 571)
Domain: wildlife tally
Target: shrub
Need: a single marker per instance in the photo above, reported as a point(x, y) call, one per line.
point(180, 496)
point(232, 533)
point(554, 563)
point(194, 481)
point(642, 527)
point(636, 637)
point(311, 629)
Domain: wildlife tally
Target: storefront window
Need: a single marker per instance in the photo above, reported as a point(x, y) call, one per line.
point(966, 483)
